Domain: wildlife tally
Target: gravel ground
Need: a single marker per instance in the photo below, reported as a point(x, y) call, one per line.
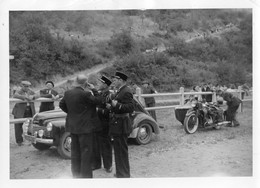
point(227, 152)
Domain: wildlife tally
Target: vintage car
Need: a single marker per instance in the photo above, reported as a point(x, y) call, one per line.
point(47, 129)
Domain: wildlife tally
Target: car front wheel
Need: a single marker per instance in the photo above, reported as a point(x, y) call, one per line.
point(64, 147)
point(144, 133)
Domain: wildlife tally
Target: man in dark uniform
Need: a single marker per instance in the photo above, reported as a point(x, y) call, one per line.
point(102, 147)
point(149, 101)
point(80, 106)
point(233, 104)
point(120, 126)
point(49, 92)
point(24, 109)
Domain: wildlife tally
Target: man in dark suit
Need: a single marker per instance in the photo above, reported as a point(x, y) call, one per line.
point(48, 92)
point(24, 109)
point(102, 149)
point(80, 106)
point(120, 126)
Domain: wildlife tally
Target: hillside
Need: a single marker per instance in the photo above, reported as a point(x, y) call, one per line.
point(171, 48)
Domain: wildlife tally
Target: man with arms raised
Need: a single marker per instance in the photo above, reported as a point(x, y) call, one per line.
point(80, 106)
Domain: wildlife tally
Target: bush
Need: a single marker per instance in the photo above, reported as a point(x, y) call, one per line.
point(122, 43)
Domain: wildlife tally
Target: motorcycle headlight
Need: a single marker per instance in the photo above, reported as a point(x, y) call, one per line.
point(49, 126)
point(40, 133)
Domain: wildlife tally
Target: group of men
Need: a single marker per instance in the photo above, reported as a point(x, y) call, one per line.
point(93, 118)
point(26, 108)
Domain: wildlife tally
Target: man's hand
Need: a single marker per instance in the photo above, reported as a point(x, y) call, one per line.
point(90, 86)
point(29, 98)
point(108, 106)
point(114, 102)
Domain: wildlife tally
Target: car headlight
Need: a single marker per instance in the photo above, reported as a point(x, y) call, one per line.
point(40, 133)
point(49, 126)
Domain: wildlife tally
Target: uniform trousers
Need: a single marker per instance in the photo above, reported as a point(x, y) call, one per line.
point(102, 149)
point(81, 155)
point(121, 156)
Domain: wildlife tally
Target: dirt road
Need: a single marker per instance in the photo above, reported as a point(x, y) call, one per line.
point(173, 153)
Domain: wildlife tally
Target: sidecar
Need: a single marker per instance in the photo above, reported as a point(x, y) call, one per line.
point(180, 113)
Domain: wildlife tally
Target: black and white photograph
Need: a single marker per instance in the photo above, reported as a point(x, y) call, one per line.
point(152, 93)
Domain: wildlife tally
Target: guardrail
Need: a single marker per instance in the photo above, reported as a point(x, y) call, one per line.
point(181, 98)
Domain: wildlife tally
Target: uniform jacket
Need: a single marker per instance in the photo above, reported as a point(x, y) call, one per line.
point(19, 108)
point(80, 107)
point(124, 107)
point(231, 99)
point(103, 112)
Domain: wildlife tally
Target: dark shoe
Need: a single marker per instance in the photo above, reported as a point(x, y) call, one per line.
point(109, 170)
point(95, 167)
point(20, 144)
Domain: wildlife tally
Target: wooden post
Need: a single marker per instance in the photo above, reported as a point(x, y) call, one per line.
point(182, 96)
point(138, 92)
point(200, 95)
point(240, 109)
point(214, 97)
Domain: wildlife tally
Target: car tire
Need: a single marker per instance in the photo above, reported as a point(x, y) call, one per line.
point(64, 147)
point(41, 146)
point(144, 133)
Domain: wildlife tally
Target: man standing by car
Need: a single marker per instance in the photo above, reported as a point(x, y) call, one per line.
point(48, 92)
point(233, 104)
point(24, 109)
point(120, 126)
point(149, 101)
point(102, 148)
point(80, 106)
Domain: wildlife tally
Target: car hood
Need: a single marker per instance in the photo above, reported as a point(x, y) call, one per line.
point(52, 114)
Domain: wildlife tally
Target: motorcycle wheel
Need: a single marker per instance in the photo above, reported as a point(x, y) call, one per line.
point(191, 124)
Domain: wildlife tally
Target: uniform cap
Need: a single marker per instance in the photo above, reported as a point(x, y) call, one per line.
point(120, 75)
point(50, 83)
point(105, 80)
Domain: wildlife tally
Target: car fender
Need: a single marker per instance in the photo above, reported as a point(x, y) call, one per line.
point(58, 128)
point(138, 119)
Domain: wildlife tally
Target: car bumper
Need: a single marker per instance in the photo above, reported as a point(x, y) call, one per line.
point(35, 140)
